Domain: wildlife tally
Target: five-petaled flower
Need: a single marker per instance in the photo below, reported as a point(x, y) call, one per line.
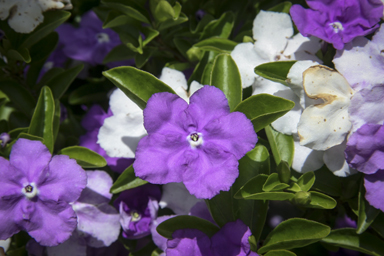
point(35, 192)
point(198, 144)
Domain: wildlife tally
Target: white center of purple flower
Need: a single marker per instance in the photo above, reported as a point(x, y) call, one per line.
point(336, 26)
point(195, 139)
point(102, 38)
point(48, 65)
point(30, 190)
point(135, 216)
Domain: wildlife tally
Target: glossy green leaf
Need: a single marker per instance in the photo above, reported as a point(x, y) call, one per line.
point(56, 120)
point(21, 54)
point(294, 233)
point(60, 83)
point(321, 201)
point(221, 208)
point(141, 59)
point(172, 22)
point(19, 96)
point(273, 183)
point(225, 76)
point(281, 145)
point(115, 19)
point(294, 188)
point(263, 109)
point(164, 11)
point(281, 7)
point(126, 180)
point(138, 85)
point(284, 171)
point(279, 253)
point(306, 181)
point(166, 228)
point(149, 34)
point(253, 190)
point(85, 157)
point(119, 53)
point(42, 119)
point(221, 27)
point(30, 137)
point(129, 9)
point(216, 44)
point(347, 238)
point(275, 71)
point(42, 49)
point(367, 213)
point(50, 74)
point(301, 198)
point(378, 224)
point(52, 20)
point(327, 182)
point(87, 93)
point(206, 75)
point(252, 212)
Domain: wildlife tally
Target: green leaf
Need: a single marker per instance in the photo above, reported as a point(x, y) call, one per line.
point(166, 228)
point(172, 22)
point(275, 71)
point(294, 188)
point(141, 59)
point(87, 93)
point(60, 83)
point(221, 27)
point(321, 201)
point(273, 183)
point(22, 54)
point(119, 53)
point(225, 76)
point(327, 182)
point(42, 49)
point(263, 109)
point(129, 9)
point(30, 137)
point(281, 145)
point(52, 20)
point(85, 157)
point(253, 190)
point(19, 96)
point(367, 213)
point(42, 119)
point(221, 208)
point(127, 180)
point(138, 85)
point(294, 233)
point(284, 171)
point(56, 120)
point(306, 181)
point(279, 253)
point(164, 11)
point(115, 19)
point(206, 75)
point(282, 7)
point(378, 224)
point(216, 44)
point(347, 238)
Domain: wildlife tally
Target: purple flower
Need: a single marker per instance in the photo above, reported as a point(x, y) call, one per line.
point(231, 240)
point(365, 149)
point(89, 42)
point(5, 138)
point(35, 192)
point(337, 22)
point(138, 208)
point(92, 122)
point(198, 144)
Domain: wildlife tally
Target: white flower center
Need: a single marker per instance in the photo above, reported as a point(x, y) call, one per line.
point(102, 38)
point(135, 216)
point(48, 65)
point(195, 139)
point(336, 26)
point(30, 190)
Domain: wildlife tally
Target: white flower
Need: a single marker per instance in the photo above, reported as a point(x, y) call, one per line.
point(24, 15)
point(273, 33)
point(121, 132)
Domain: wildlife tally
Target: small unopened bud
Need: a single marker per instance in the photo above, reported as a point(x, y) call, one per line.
point(302, 198)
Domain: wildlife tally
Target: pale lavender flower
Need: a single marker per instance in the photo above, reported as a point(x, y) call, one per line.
point(198, 144)
point(89, 42)
point(92, 121)
point(5, 138)
point(337, 22)
point(35, 192)
point(138, 208)
point(231, 240)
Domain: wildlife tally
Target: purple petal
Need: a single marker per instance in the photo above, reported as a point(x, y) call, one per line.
point(201, 210)
point(233, 133)
point(11, 215)
point(374, 186)
point(51, 223)
point(11, 181)
point(30, 157)
point(94, 118)
point(74, 246)
point(211, 171)
point(189, 242)
point(158, 239)
point(207, 104)
point(163, 112)
point(63, 180)
point(97, 191)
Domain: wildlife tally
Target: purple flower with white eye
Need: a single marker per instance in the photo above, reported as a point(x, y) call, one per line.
point(138, 208)
point(198, 144)
point(231, 240)
point(337, 22)
point(89, 42)
point(92, 121)
point(35, 192)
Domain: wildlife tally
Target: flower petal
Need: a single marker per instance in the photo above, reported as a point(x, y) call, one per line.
point(211, 171)
point(334, 159)
point(325, 125)
point(52, 222)
point(306, 159)
point(271, 31)
point(188, 242)
point(74, 246)
point(176, 80)
point(374, 186)
point(97, 191)
point(27, 17)
point(158, 239)
point(233, 133)
point(303, 48)
point(63, 180)
point(263, 85)
point(30, 157)
point(11, 216)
